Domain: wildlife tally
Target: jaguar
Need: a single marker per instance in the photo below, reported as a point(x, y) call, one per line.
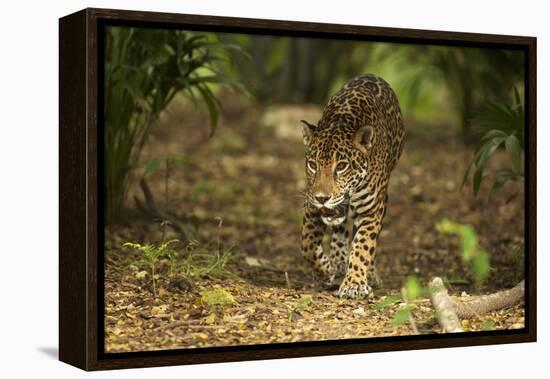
point(349, 156)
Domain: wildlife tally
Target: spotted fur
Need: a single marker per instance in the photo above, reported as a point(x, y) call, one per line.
point(350, 154)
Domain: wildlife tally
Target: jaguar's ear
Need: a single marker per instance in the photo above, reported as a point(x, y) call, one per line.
point(363, 138)
point(307, 131)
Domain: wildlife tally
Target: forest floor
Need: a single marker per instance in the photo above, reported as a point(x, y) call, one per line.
point(238, 193)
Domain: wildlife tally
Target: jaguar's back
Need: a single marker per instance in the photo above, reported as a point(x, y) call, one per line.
point(369, 100)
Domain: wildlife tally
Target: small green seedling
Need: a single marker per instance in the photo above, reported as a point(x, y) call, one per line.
point(151, 255)
point(301, 305)
point(411, 292)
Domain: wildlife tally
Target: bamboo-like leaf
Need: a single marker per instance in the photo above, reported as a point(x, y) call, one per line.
point(493, 133)
point(513, 146)
point(478, 177)
point(211, 106)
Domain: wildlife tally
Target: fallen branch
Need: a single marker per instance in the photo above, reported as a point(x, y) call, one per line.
point(450, 312)
point(445, 308)
point(493, 302)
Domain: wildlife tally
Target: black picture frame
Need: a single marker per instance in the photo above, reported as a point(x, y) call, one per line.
point(81, 207)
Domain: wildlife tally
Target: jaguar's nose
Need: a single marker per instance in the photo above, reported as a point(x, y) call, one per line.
point(322, 197)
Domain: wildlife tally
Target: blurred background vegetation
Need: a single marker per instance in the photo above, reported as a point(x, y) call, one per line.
point(479, 90)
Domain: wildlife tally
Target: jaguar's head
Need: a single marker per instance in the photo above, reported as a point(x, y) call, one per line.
point(336, 163)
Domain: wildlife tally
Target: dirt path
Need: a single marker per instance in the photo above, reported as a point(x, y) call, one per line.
point(249, 176)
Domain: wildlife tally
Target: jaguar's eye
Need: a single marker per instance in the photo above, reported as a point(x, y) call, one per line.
point(341, 167)
point(312, 165)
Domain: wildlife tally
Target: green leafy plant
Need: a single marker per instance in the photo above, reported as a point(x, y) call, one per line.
point(151, 254)
point(303, 304)
point(402, 315)
point(471, 252)
point(209, 258)
point(411, 291)
point(197, 260)
point(501, 124)
point(144, 70)
point(206, 259)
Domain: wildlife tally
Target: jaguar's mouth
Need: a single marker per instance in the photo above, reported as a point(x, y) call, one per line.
point(333, 216)
point(332, 212)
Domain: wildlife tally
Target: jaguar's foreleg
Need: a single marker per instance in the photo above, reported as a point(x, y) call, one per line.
point(313, 230)
point(361, 267)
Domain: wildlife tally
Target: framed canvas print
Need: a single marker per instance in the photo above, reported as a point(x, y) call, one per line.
point(238, 189)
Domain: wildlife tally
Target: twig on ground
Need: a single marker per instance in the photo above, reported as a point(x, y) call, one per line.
point(287, 279)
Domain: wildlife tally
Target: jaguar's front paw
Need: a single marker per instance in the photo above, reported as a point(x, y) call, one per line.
point(355, 291)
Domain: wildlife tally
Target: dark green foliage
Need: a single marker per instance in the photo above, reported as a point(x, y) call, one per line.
point(501, 125)
point(422, 75)
point(296, 70)
point(144, 70)
point(477, 74)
